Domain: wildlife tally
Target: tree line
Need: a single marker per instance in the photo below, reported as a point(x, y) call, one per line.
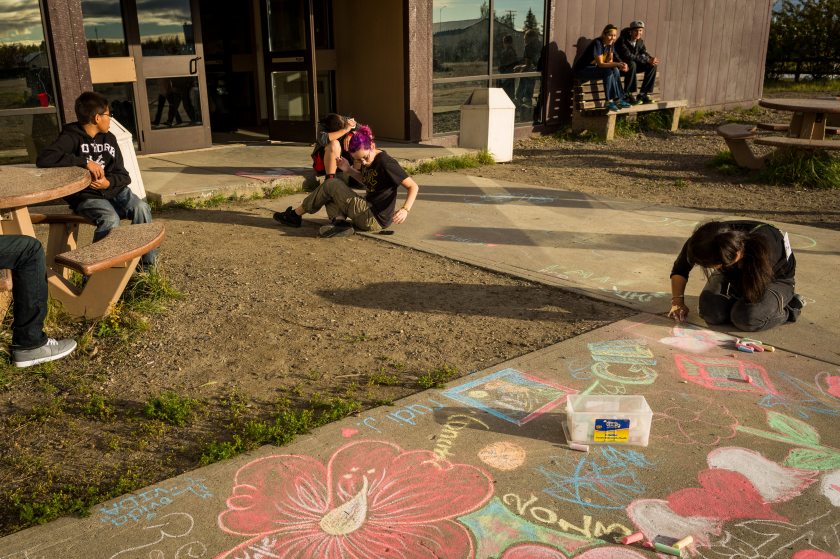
point(804, 39)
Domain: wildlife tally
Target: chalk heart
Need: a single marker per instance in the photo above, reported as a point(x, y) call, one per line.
point(348, 432)
point(813, 554)
point(723, 494)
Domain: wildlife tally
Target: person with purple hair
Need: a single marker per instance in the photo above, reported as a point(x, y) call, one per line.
point(381, 176)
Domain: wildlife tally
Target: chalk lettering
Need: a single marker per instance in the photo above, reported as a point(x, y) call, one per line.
point(549, 516)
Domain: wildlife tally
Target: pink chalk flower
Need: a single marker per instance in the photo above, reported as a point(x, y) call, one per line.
point(372, 499)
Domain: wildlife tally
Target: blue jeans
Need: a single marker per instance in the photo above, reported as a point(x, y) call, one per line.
point(24, 256)
point(630, 81)
point(719, 305)
point(610, 76)
point(106, 214)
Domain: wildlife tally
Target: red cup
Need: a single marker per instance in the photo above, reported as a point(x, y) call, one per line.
point(43, 100)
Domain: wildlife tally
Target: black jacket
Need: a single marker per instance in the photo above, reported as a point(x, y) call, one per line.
point(629, 52)
point(74, 148)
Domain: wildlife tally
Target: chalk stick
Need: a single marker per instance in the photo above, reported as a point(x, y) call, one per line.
point(750, 341)
point(632, 538)
point(667, 549)
point(769, 348)
point(745, 349)
point(648, 544)
point(580, 447)
point(688, 540)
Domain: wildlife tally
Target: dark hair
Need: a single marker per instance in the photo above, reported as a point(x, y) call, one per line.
point(88, 105)
point(334, 122)
point(362, 139)
point(717, 243)
point(507, 40)
point(608, 28)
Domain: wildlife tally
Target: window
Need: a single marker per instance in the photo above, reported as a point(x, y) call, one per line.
point(28, 116)
point(104, 32)
point(464, 57)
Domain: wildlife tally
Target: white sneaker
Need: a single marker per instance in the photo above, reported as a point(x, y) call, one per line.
point(50, 351)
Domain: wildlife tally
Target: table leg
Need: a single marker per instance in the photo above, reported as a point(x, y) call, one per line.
point(806, 131)
point(18, 223)
point(795, 125)
point(819, 127)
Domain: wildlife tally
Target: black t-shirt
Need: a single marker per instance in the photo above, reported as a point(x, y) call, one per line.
point(381, 179)
point(593, 49)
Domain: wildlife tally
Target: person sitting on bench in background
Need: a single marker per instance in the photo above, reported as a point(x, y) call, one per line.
point(599, 60)
point(378, 172)
point(631, 49)
point(750, 275)
point(24, 256)
point(88, 143)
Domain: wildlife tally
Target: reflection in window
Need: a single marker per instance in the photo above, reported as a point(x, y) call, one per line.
point(290, 93)
point(24, 136)
point(286, 29)
point(104, 31)
point(121, 102)
point(174, 102)
point(25, 77)
point(461, 46)
point(447, 99)
point(165, 27)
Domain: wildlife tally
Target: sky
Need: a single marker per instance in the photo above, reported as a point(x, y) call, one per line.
point(454, 10)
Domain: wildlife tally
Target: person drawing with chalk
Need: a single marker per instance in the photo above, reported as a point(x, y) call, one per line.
point(750, 271)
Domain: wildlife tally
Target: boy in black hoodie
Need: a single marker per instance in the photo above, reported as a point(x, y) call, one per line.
point(89, 144)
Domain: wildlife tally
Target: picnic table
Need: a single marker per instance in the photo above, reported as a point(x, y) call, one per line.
point(808, 121)
point(107, 264)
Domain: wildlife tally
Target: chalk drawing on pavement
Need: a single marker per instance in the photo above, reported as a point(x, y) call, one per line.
point(693, 339)
point(450, 431)
point(724, 373)
point(511, 395)
point(606, 478)
point(830, 487)
point(496, 528)
point(350, 505)
point(145, 505)
point(692, 420)
point(829, 384)
point(654, 517)
point(774, 482)
point(624, 361)
point(173, 525)
point(811, 454)
point(502, 455)
point(799, 397)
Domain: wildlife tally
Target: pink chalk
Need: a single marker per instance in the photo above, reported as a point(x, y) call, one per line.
point(632, 538)
point(750, 380)
point(648, 543)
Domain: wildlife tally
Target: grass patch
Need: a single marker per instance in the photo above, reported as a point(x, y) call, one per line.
point(149, 292)
point(776, 86)
point(651, 121)
point(724, 163)
point(465, 161)
point(802, 168)
point(171, 408)
point(569, 135)
point(282, 430)
point(97, 407)
point(437, 378)
point(217, 200)
point(382, 379)
point(694, 118)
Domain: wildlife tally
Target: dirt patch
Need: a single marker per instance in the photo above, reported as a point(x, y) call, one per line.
point(278, 332)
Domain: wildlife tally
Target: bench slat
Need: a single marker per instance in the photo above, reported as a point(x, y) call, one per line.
point(121, 245)
point(774, 126)
point(781, 141)
point(655, 106)
point(59, 218)
point(736, 131)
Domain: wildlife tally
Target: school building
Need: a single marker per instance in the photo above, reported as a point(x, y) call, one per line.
point(179, 72)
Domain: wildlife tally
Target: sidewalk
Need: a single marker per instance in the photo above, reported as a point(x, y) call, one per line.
point(743, 454)
point(243, 169)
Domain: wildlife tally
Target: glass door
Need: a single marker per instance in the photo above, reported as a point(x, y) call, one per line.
point(290, 69)
point(172, 90)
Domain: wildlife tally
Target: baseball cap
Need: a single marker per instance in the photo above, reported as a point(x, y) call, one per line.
point(636, 24)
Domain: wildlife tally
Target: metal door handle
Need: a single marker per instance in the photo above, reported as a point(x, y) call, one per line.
point(194, 65)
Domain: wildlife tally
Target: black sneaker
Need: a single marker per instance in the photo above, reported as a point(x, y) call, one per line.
point(794, 307)
point(645, 98)
point(336, 230)
point(289, 217)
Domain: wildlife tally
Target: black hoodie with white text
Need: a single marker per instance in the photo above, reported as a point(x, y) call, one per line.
point(74, 148)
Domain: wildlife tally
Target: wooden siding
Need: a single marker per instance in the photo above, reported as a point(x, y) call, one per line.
point(712, 51)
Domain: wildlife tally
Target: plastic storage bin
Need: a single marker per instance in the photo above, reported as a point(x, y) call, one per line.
point(599, 419)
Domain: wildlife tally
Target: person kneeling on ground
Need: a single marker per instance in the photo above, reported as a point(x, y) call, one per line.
point(89, 144)
point(631, 49)
point(750, 269)
point(378, 172)
point(30, 345)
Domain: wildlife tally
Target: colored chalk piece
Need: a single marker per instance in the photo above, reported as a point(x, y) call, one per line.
point(579, 447)
point(750, 341)
point(686, 541)
point(769, 348)
point(744, 348)
point(632, 538)
point(667, 549)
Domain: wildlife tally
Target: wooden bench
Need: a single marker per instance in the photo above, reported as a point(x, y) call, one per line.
point(736, 136)
point(590, 111)
point(5, 291)
point(108, 265)
point(803, 143)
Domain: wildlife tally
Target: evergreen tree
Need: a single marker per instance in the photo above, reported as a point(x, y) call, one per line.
point(531, 22)
point(804, 39)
